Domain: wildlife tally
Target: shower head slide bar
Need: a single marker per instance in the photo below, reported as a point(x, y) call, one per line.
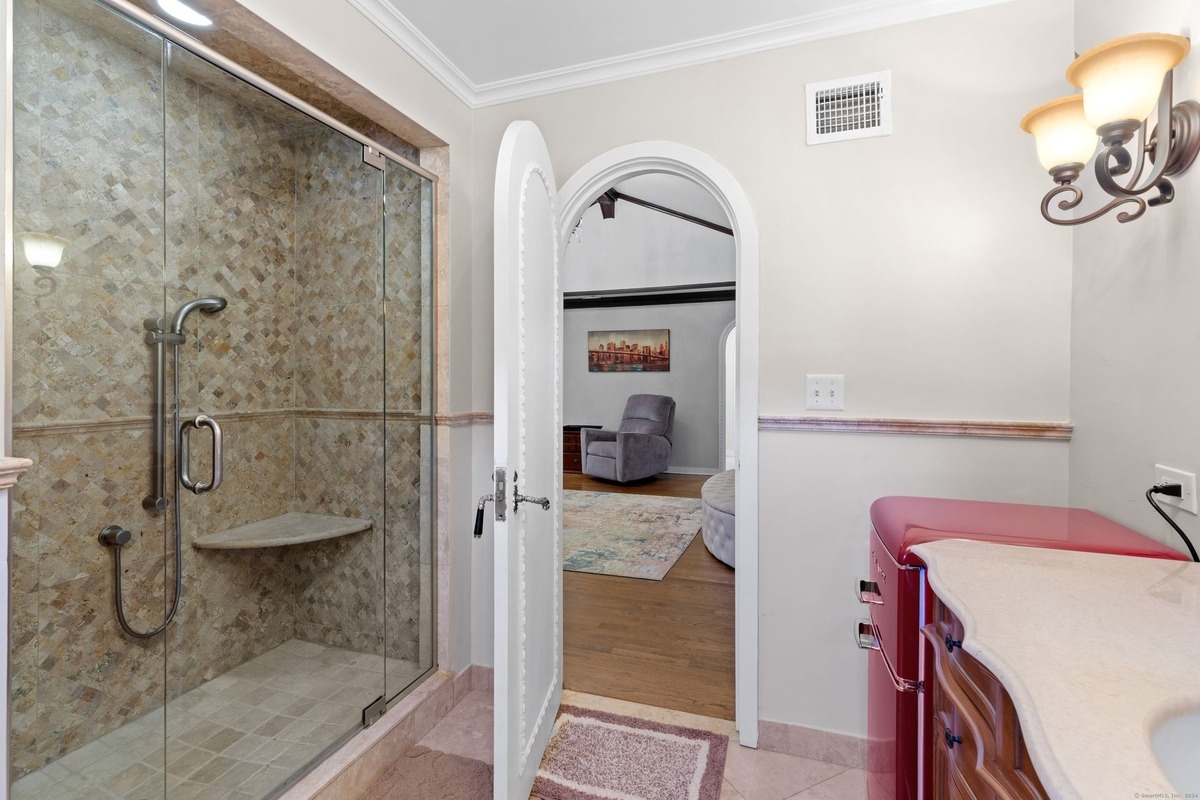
point(160, 337)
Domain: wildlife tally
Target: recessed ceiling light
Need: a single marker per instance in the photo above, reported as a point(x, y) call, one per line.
point(184, 13)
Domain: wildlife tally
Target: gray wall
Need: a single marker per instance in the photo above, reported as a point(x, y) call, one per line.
point(599, 397)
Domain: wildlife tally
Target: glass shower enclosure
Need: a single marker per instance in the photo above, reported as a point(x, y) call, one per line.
point(225, 384)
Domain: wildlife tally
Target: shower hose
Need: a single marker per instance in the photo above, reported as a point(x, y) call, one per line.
point(117, 544)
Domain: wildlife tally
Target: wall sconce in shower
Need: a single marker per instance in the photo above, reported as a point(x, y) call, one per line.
point(43, 250)
point(1122, 82)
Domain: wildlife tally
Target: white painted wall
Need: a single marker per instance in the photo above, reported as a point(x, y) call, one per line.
point(643, 248)
point(815, 493)
point(1135, 330)
point(599, 397)
point(917, 265)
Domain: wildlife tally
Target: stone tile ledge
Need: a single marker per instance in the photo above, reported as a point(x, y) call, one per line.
point(11, 469)
point(293, 527)
point(465, 418)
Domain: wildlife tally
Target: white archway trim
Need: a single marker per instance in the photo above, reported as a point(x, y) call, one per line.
point(575, 196)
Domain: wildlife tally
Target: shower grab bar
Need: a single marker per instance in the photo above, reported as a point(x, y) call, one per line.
point(158, 337)
point(218, 456)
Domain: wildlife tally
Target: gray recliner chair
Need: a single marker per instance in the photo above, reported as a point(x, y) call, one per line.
point(639, 448)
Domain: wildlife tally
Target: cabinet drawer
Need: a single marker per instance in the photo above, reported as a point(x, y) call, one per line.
point(972, 681)
point(955, 758)
point(970, 703)
point(572, 462)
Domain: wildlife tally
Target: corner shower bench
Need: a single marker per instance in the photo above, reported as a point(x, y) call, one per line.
point(291, 528)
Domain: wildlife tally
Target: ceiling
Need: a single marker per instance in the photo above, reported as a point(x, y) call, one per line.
point(494, 51)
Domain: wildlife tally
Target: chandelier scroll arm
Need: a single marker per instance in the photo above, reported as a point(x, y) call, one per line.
point(1076, 196)
point(1156, 147)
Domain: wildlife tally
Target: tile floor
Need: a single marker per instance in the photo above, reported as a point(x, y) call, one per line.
point(236, 737)
point(749, 774)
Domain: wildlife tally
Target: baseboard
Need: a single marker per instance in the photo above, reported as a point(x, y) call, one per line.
point(365, 758)
point(692, 470)
point(814, 743)
point(481, 678)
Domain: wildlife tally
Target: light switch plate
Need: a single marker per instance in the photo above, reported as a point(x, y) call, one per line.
point(825, 392)
point(1185, 479)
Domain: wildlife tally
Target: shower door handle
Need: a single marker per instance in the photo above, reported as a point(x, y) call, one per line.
point(200, 487)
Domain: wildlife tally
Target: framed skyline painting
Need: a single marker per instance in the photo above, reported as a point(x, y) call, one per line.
point(629, 351)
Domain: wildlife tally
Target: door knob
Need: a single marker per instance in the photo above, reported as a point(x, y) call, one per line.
point(544, 502)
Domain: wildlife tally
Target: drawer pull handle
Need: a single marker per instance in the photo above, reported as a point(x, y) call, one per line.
point(951, 739)
point(868, 592)
point(952, 643)
point(865, 636)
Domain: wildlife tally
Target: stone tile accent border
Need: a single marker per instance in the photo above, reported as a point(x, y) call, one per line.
point(819, 745)
point(595, 755)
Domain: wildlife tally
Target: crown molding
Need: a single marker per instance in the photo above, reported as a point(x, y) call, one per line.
point(813, 27)
point(397, 27)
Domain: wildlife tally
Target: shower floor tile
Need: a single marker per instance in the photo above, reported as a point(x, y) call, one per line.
point(236, 737)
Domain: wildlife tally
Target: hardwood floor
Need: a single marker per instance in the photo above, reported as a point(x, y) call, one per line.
point(665, 643)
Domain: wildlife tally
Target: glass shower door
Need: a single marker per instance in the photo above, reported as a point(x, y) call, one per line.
point(408, 344)
point(87, 699)
point(279, 647)
point(287, 285)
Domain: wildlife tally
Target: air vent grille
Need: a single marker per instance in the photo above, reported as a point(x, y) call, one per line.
point(850, 108)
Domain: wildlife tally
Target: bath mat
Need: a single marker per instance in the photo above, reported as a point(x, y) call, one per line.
point(635, 536)
point(432, 775)
point(594, 755)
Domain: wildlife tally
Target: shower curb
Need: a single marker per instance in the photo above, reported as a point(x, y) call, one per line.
point(365, 758)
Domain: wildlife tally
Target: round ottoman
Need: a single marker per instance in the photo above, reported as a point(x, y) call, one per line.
point(720, 522)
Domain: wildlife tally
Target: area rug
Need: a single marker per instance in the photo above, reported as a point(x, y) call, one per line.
point(635, 536)
point(432, 775)
point(594, 755)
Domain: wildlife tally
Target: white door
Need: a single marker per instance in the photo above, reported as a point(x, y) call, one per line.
point(528, 453)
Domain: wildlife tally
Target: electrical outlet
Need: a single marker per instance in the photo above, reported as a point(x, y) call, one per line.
point(825, 392)
point(1185, 479)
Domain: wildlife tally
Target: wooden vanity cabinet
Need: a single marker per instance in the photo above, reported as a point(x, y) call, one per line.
point(977, 749)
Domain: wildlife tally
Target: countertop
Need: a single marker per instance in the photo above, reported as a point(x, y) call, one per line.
point(1095, 650)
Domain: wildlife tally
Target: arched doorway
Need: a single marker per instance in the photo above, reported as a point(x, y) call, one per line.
point(579, 192)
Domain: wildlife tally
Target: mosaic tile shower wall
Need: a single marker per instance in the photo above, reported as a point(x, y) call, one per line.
point(233, 194)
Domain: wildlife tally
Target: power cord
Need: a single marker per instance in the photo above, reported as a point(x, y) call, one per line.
point(1170, 490)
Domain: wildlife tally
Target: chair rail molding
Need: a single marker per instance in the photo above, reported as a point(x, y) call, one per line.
point(991, 429)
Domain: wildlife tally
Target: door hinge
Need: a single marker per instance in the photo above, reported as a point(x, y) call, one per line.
point(373, 158)
point(374, 711)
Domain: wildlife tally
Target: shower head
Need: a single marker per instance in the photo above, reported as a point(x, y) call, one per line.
point(209, 305)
